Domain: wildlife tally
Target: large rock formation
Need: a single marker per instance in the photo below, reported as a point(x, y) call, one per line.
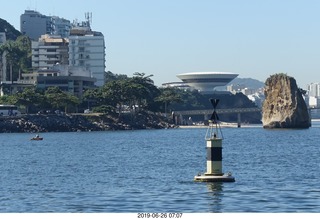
point(284, 106)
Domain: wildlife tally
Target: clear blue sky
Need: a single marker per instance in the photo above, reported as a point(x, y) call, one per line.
point(255, 38)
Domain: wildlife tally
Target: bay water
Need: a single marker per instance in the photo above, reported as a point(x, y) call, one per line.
point(153, 171)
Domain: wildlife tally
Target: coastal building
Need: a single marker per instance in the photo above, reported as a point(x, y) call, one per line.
point(179, 85)
point(70, 79)
point(314, 89)
point(87, 50)
point(34, 24)
point(313, 97)
point(48, 51)
point(60, 26)
point(81, 50)
point(234, 88)
point(206, 82)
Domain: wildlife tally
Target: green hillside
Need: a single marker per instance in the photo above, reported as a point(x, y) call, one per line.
point(11, 32)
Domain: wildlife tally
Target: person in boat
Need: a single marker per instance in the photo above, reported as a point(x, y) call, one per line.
point(37, 136)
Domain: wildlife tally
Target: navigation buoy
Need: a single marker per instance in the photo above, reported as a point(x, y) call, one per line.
point(214, 139)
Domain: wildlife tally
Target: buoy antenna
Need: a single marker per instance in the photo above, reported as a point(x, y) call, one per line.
point(214, 128)
point(214, 116)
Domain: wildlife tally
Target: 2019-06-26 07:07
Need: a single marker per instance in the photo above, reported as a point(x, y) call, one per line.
point(159, 215)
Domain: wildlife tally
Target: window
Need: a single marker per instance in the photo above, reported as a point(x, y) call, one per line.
point(52, 56)
point(51, 50)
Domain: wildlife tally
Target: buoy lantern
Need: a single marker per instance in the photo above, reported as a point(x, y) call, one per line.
point(214, 139)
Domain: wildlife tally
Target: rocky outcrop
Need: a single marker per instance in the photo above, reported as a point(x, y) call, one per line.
point(72, 123)
point(284, 106)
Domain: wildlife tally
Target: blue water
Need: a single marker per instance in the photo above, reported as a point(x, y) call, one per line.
point(153, 170)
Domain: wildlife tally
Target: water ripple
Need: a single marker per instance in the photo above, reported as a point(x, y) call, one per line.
point(153, 170)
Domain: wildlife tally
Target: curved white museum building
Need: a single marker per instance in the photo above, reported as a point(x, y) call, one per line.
point(207, 81)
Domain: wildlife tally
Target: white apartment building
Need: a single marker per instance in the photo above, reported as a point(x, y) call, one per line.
point(81, 49)
point(87, 49)
point(314, 89)
point(49, 51)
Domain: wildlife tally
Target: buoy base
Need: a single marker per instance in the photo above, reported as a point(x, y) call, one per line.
point(214, 178)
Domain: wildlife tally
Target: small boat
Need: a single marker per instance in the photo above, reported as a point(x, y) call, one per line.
point(36, 138)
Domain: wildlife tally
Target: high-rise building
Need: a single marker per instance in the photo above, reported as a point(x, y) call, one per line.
point(48, 51)
point(87, 49)
point(314, 90)
point(75, 45)
point(60, 26)
point(34, 24)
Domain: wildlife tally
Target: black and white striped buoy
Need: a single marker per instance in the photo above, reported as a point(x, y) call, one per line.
point(214, 151)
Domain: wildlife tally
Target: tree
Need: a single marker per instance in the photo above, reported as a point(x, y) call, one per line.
point(8, 99)
point(12, 55)
point(146, 95)
point(115, 94)
point(70, 101)
point(30, 97)
point(93, 97)
point(18, 55)
point(24, 45)
point(168, 95)
point(58, 99)
point(109, 76)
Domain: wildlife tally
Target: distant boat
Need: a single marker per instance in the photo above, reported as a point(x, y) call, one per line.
point(37, 138)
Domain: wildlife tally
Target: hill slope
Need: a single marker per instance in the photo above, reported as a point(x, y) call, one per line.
point(248, 82)
point(11, 32)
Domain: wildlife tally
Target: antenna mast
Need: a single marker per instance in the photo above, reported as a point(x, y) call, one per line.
point(88, 17)
point(214, 127)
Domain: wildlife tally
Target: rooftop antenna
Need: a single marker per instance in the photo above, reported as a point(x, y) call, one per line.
point(88, 16)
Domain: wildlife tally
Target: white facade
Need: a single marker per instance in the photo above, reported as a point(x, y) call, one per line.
point(206, 81)
point(88, 51)
point(313, 102)
point(49, 51)
point(314, 89)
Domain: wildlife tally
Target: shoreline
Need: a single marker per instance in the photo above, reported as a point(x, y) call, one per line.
point(228, 125)
point(232, 125)
point(76, 123)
